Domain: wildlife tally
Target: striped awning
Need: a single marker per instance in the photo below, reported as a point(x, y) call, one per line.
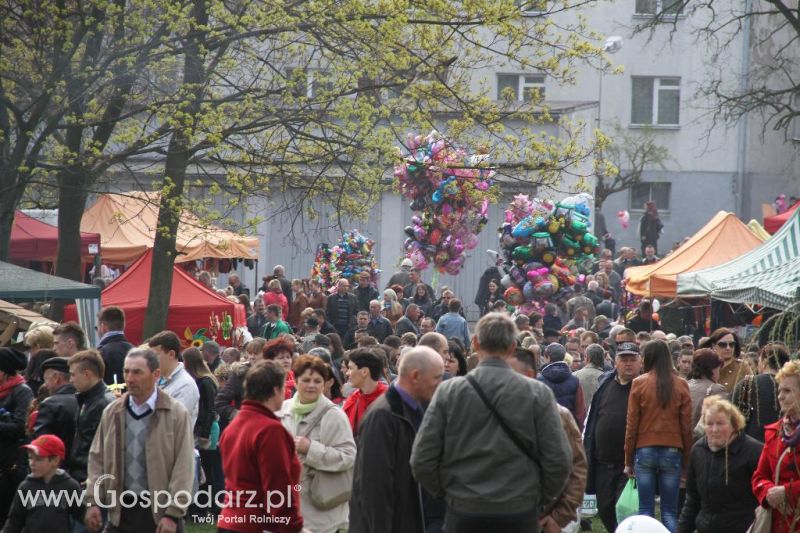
point(769, 275)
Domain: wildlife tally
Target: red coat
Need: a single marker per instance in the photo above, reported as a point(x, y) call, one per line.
point(277, 298)
point(764, 477)
point(261, 469)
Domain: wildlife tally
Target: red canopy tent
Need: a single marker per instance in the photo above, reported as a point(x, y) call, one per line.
point(34, 240)
point(774, 223)
point(190, 305)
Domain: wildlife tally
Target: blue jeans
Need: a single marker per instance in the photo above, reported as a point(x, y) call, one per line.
point(659, 465)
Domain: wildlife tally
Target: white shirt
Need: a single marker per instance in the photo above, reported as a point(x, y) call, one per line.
point(149, 403)
point(181, 386)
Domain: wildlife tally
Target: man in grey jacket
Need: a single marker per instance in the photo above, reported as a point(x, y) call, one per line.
point(490, 480)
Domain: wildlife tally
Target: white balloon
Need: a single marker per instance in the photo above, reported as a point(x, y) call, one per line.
point(656, 306)
point(641, 524)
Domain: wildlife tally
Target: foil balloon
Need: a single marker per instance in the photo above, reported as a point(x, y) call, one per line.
point(450, 190)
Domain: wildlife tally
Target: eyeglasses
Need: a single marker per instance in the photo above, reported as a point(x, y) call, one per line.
point(727, 344)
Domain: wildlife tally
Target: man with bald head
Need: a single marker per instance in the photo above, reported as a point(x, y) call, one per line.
point(382, 478)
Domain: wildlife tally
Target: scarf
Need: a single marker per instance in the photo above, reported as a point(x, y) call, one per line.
point(790, 432)
point(8, 386)
point(300, 410)
point(357, 404)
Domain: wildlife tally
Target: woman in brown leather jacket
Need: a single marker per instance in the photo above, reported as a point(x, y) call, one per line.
point(658, 433)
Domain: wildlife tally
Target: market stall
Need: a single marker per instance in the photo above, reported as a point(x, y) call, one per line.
point(127, 225)
point(723, 238)
point(192, 307)
point(768, 275)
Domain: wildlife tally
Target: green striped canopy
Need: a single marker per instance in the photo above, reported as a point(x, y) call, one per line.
point(768, 275)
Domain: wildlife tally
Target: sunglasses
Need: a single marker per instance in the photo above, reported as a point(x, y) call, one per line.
point(726, 344)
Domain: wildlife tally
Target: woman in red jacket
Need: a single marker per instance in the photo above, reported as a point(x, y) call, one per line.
point(658, 433)
point(780, 448)
point(275, 296)
point(262, 472)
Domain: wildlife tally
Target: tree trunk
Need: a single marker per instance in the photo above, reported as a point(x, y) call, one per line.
point(178, 154)
point(72, 197)
point(8, 204)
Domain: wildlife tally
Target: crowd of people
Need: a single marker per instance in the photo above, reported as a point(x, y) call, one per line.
point(364, 410)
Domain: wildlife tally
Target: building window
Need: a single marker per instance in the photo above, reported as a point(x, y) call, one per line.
point(662, 8)
point(657, 192)
point(655, 101)
point(308, 83)
point(520, 87)
point(532, 7)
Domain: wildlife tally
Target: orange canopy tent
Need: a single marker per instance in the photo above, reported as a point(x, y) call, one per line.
point(191, 304)
point(127, 225)
point(723, 238)
point(774, 223)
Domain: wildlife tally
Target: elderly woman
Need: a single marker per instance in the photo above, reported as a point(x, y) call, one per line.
point(703, 380)
point(392, 309)
point(37, 338)
point(325, 445)
point(779, 454)
point(718, 494)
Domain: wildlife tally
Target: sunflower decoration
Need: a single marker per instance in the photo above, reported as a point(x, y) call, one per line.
point(196, 339)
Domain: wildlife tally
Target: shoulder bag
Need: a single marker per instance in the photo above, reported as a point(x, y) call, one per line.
point(327, 489)
point(511, 435)
point(763, 520)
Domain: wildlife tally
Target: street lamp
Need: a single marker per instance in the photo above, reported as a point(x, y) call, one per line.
point(612, 45)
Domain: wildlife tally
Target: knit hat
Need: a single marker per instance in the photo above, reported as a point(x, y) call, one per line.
point(47, 446)
point(12, 360)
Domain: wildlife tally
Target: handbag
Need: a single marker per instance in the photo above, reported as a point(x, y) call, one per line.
point(327, 489)
point(763, 519)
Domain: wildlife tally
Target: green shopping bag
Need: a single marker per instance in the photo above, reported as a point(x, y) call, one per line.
point(628, 503)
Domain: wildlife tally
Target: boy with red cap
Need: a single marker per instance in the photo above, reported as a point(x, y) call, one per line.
point(48, 497)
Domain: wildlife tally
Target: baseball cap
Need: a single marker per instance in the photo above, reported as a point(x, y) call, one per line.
point(628, 348)
point(406, 262)
point(47, 446)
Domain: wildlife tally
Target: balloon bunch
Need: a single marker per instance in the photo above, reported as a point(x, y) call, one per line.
point(547, 247)
point(450, 193)
point(351, 256)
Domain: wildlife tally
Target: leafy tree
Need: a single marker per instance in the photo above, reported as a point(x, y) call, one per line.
point(300, 101)
point(624, 161)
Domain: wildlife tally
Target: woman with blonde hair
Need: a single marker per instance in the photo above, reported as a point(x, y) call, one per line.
point(392, 309)
point(719, 498)
point(779, 454)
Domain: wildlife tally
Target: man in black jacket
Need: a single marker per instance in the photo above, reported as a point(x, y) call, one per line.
point(378, 326)
point(113, 344)
point(604, 434)
point(15, 398)
point(86, 369)
point(385, 496)
point(57, 412)
point(342, 307)
point(365, 292)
